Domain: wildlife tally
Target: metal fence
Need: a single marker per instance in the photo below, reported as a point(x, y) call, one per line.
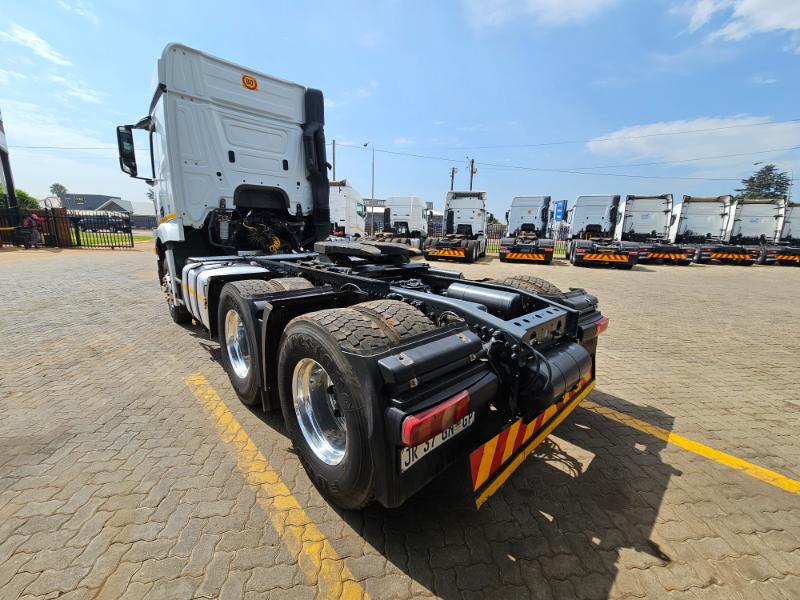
point(63, 228)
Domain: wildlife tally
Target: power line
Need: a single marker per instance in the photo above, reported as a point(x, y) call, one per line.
point(571, 171)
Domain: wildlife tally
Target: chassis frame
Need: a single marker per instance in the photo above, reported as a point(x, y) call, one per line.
point(514, 369)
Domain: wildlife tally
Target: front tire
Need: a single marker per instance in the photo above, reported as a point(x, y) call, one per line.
point(329, 427)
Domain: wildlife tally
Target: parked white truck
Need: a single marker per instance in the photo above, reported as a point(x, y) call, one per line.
point(647, 221)
point(348, 211)
point(465, 221)
point(704, 227)
point(788, 242)
point(526, 239)
point(405, 221)
point(593, 225)
point(387, 372)
point(756, 226)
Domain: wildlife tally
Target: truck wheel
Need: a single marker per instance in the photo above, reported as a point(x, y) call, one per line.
point(237, 331)
point(326, 406)
point(529, 283)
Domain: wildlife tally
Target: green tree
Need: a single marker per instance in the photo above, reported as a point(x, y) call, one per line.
point(767, 182)
point(25, 200)
point(58, 190)
point(492, 219)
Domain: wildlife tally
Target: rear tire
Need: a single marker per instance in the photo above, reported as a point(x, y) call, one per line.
point(237, 334)
point(343, 469)
point(529, 283)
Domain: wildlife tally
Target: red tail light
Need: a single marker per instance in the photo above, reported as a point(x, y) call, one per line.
point(423, 426)
point(707, 249)
point(601, 325)
point(580, 250)
point(633, 252)
point(504, 247)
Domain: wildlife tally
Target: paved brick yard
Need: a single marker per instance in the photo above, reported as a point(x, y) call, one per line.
point(128, 468)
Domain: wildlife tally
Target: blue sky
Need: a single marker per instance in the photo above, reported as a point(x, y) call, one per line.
point(447, 80)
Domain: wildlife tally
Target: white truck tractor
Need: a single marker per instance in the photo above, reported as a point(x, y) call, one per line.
point(387, 372)
point(704, 226)
point(405, 221)
point(348, 211)
point(788, 242)
point(464, 236)
point(647, 221)
point(526, 239)
point(756, 227)
point(593, 225)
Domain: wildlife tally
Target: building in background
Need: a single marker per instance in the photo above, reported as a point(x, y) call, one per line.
point(143, 213)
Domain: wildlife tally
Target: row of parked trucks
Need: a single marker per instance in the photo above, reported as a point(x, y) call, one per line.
point(647, 229)
point(608, 229)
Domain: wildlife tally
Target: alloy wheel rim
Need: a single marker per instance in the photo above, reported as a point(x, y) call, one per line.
point(319, 415)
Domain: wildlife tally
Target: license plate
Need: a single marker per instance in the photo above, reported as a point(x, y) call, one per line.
point(409, 456)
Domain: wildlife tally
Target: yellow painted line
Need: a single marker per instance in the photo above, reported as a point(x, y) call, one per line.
point(771, 477)
point(169, 217)
point(316, 558)
point(506, 472)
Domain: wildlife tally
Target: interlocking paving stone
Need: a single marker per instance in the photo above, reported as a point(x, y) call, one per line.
point(114, 482)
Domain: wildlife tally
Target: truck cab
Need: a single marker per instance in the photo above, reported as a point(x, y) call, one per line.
point(755, 226)
point(236, 158)
point(593, 223)
point(704, 225)
point(348, 211)
point(647, 221)
point(465, 220)
point(405, 221)
point(788, 242)
point(526, 240)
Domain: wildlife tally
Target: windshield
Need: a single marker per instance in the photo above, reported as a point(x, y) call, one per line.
point(361, 209)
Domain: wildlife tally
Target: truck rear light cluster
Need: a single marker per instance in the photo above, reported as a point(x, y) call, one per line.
point(580, 250)
point(707, 249)
point(601, 325)
point(504, 247)
point(426, 424)
point(633, 252)
point(772, 251)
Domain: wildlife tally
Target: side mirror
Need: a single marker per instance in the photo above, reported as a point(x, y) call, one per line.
point(127, 152)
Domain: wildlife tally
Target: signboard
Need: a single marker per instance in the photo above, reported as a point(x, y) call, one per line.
point(561, 210)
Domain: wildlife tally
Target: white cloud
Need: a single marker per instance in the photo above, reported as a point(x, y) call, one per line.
point(80, 8)
point(722, 136)
point(490, 13)
point(25, 37)
point(360, 93)
point(761, 80)
point(743, 18)
point(403, 141)
point(6, 76)
point(77, 89)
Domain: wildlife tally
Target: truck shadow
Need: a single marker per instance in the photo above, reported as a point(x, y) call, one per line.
point(556, 529)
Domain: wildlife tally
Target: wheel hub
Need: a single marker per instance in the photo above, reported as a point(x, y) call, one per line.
point(236, 344)
point(319, 415)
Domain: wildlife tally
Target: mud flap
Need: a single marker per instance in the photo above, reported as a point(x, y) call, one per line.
point(492, 463)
